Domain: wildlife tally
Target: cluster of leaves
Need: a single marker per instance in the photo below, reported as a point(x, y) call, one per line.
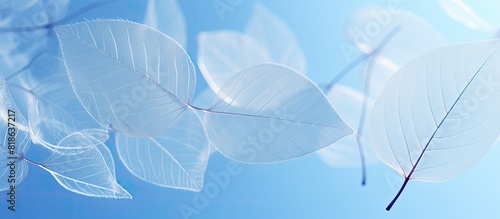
point(137, 81)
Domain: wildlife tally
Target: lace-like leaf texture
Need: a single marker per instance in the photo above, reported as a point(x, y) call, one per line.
point(86, 167)
point(87, 170)
point(129, 77)
point(12, 124)
point(270, 113)
point(176, 159)
point(440, 113)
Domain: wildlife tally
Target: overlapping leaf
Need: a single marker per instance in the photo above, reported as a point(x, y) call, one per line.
point(88, 170)
point(55, 112)
point(397, 51)
point(176, 159)
point(129, 77)
point(345, 153)
point(223, 54)
point(22, 141)
point(270, 113)
point(167, 17)
point(274, 35)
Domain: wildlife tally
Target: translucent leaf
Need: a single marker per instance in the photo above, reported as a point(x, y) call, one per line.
point(18, 47)
point(345, 153)
point(89, 172)
point(167, 17)
point(55, 112)
point(271, 113)
point(22, 142)
point(204, 100)
point(176, 159)
point(129, 77)
point(462, 13)
point(222, 54)
point(274, 35)
point(370, 25)
point(439, 114)
point(7, 6)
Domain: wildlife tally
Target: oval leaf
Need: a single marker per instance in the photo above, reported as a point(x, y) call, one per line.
point(129, 77)
point(89, 171)
point(394, 53)
point(167, 17)
point(271, 113)
point(55, 112)
point(274, 35)
point(222, 54)
point(439, 114)
point(175, 159)
point(464, 14)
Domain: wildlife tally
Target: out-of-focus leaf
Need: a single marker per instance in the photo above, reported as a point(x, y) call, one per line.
point(274, 35)
point(223, 54)
point(345, 153)
point(15, 127)
point(464, 14)
point(167, 17)
point(55, 112)
point(368, 27)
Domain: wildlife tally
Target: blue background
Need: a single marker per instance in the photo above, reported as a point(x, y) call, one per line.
point(302, 188)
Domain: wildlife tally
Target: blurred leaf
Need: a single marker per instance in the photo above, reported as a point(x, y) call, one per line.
point(274, 35)
point(55, 112)
point(345, 153)
point(222, 54)
point(369, 26)
point(167, 17)
point(22, 141)
point(464, 14)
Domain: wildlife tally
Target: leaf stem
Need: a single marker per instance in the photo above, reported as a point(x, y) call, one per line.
point(31, 161)
point(346, 70)
point(363, 160)
point(23, 69)
point(397, 195)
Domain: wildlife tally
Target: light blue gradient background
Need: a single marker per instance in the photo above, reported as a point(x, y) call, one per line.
point(302, 188)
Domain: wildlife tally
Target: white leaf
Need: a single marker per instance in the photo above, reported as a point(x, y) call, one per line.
point(55, 112)
point(129, 77)
point(88, 170)
point(222, 54)
point(167, 17)
point(345, 153)
point(16, 129)
point(175, 159)
point(274, 35)
point(369, 26)
point(271, 113)
point(440, 113)
point(13, 6)
point(462, 13)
